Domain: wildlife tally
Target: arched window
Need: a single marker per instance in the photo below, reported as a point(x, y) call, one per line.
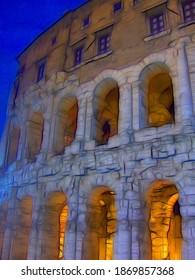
point(101, 225)
point(106, 111)
point(156, 96)
point(3, 216)
point(66, 124)
point(164, 221)
point(12, 147)
point(23, 221)
point(54, 227)
point(35, 135)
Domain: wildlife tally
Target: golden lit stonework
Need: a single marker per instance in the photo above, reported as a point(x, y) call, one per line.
point(63, 219)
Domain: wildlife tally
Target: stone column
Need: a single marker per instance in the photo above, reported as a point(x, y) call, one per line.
point(78, 142)
point(4, 143)
point(53, 121)
point(188, 231)
point(24, 133)
point(70, 240)
point(135, 240)
point(39, 225)
point(186, 108)
point(10, 227)
point(89, 142)
point(136, 105)
point(125, 124)
point(47, 135)
point(122, 241)
point(33, 238)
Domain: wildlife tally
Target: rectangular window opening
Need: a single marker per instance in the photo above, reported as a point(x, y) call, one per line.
point(104, 44)
point(117, 6)
point(78, 56)
point(86, 21)
point(189, 10)
point(41, 70)
point(157, 23)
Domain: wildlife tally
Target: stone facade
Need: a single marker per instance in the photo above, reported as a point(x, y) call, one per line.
point(118, 195)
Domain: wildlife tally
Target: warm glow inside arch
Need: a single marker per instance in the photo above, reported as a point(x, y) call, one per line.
point(164, 221)
point(54, 228)
point(23, 221)
point(101, 225)
point(156, 96)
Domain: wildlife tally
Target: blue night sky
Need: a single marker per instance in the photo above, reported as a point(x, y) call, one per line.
point(21, 22)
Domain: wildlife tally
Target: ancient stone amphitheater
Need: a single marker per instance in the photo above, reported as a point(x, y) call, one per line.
point(98, 154)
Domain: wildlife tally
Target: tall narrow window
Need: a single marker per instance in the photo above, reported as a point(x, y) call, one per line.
point(16, 90)
point(17, 84)
point(53, 40)
point(40, 72)
point(86, 21)
point(189, 10)
point(41, 69)
point(157, 23)
point(104, 44)
point(78, 56)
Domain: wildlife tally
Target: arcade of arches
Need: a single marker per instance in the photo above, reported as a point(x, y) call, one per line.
point(156, 108)
point(163, 234)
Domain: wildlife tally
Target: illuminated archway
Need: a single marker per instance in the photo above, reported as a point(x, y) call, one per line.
point(19, 248)
point(54, 228)
point(101, 225)
point(66, 123)
point(156, 96)
point(106, 111)
point(164, 221)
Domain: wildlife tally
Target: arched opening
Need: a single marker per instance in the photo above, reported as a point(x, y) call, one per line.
point(12, 148)
point(54, 228)
point(35, 136)
point(101, 225)
point(156, 96)
point(106, 111)
point(66, 123)
point(164, 221)
point(19, 248)
point(3, 217)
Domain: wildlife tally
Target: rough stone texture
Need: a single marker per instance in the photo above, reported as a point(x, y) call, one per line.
point(106, 188)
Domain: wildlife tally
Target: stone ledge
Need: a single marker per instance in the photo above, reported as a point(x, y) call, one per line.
point(152, 37)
